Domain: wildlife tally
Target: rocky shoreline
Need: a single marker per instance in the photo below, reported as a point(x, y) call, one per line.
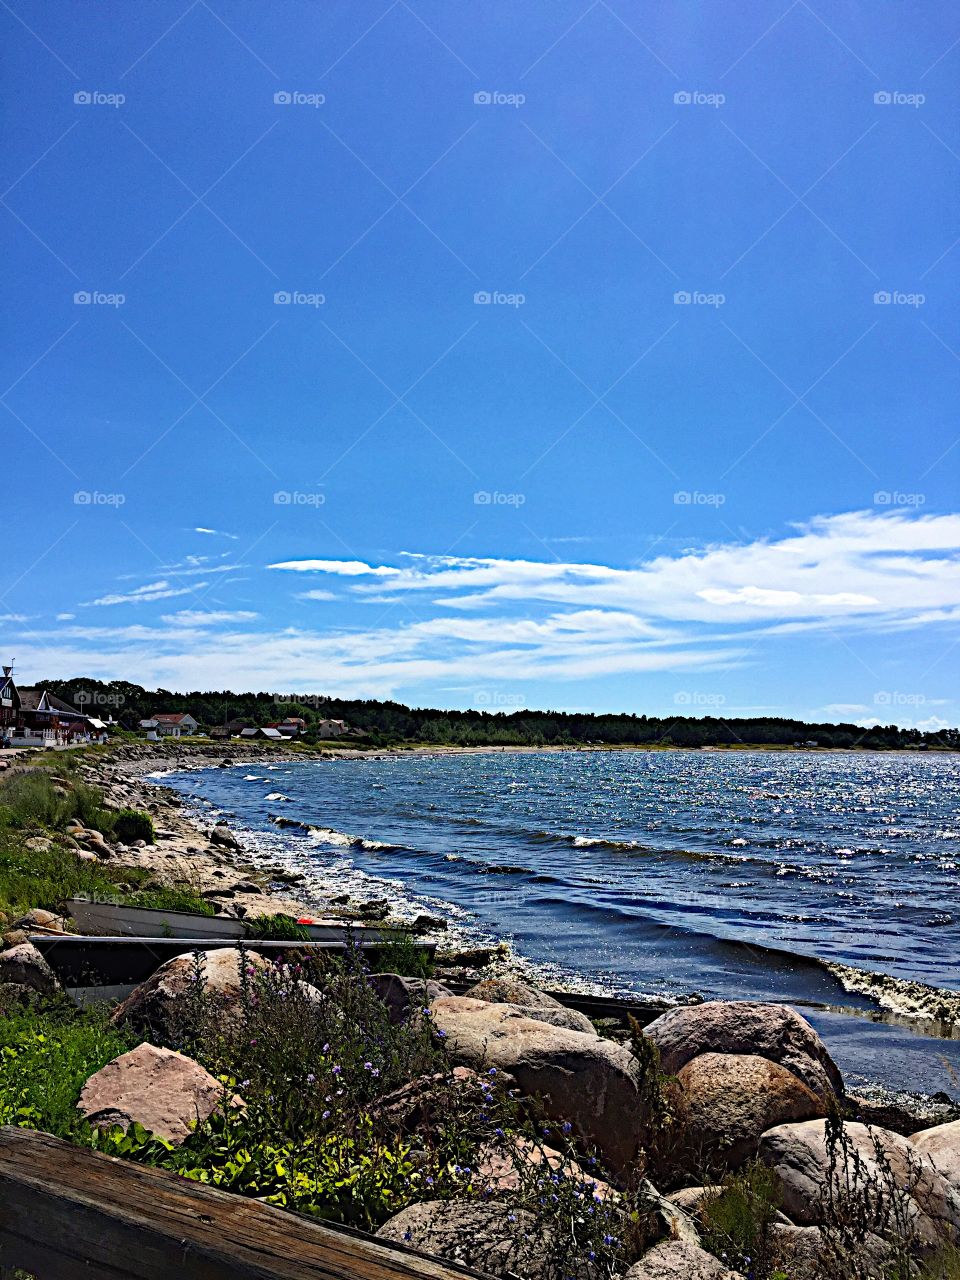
point(709, 1100)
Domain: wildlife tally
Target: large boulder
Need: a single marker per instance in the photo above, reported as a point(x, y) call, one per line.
point(401, 995)
point(731, 1099)
point(167, 1093)
point(24, 966)
point(677, 1260)
point(506, 990)
point(583, 1079)
point(531, 1003)
point(941, 1145)
point(803, 1254)
point(773, 1031)
point(798, 1155)
point(162, 1003)
point(487, 1235)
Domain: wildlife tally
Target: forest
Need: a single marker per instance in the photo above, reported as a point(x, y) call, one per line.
point(382, 724)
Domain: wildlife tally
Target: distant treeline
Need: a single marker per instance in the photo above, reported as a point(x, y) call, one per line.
point(388, 723)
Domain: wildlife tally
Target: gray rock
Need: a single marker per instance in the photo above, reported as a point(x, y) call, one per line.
point(731, 1099)
point(222, 835)
point(689, 1199)
point(487, 1235)
point(532, 1003)
point(675, 1260)
point(580, 1078)
point(401, 995)
point(941, 1145)
point(798, 1155)
point(24, 966)
point(801, 1253)
point(512, 991)
point(672, 1218)
point(166, 1092)
point(772, 1031)
point(158, 1005)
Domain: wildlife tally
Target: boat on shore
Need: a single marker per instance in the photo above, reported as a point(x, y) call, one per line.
point(109, 919)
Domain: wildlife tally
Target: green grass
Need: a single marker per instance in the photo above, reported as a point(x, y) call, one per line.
point(41, 803)
point(48, 877)
point(46, 1056)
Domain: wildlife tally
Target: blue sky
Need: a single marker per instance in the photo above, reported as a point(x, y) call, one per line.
point(584, 355)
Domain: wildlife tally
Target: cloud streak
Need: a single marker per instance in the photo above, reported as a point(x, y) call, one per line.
point(485, 621)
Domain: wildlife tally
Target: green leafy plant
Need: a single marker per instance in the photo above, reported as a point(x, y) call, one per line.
point(133, 824)
point(46, 1056)
point(277, 928)
point(736, 1222)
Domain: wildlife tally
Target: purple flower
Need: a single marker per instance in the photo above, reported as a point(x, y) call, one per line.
point(311, 1078)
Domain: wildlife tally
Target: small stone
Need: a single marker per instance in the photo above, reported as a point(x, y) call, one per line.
point(24, 966)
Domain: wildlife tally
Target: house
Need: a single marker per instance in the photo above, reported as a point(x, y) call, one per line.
point(43, 720)
point(9, 701)
point(175, 724)
point(271, 734)
point(292, 727)
point(231, 729)
point(331, 728)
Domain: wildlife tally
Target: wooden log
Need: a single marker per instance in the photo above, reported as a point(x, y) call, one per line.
point(67, 1212)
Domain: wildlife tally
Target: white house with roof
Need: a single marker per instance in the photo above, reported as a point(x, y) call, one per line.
point(331, 728)
point(172, 724)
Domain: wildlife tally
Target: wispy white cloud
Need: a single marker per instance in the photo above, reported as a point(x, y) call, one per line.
point(140, 595)
point(344, 568)
point(211, 618)
point(217, 533)
point(855, 566)
point(482, 622)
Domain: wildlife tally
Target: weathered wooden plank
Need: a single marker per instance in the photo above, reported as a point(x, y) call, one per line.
point(67, 1212)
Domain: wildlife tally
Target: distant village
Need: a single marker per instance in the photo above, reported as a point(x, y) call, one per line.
point(38, 718)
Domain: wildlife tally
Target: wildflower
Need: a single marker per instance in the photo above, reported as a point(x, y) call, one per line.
point(492, 1071)
point(567, 1126)
point(311, 1078)
point(254, 1040)
point(325, 1049)
point(337, 1070)
point(325, 1116)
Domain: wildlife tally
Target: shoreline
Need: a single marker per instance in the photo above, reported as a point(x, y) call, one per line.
point(183, 848)
point(239, 881)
